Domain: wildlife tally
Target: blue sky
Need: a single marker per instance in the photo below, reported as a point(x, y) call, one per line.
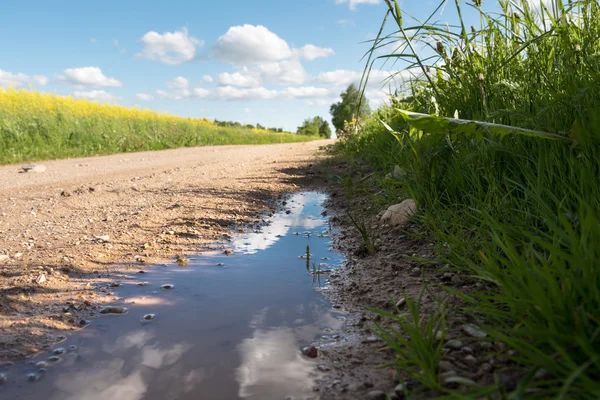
point(265, 61)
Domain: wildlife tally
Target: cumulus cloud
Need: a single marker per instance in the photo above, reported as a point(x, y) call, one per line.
point(354, 3)
point(95, 95)
point(207, 78)
point(237, 79)
point(144, 96)
point(17, 80)
point(306, 92)
point(233, 93)
point(178, 83)
point(311, 52)
point(287, 72)
point(170, 47)
point(340, 77)
point(249, 44)
point(87, 77)
point(180, 90)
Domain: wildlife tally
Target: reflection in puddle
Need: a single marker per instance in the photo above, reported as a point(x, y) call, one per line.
point(225, 333)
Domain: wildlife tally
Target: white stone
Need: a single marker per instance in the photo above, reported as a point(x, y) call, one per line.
point(399, 214)
point(4, 258)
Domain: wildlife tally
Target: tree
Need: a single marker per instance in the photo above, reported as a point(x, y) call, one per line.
point(348, 107)
point(316, 126)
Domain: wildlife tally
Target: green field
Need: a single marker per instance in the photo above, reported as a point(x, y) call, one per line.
point(36, 126)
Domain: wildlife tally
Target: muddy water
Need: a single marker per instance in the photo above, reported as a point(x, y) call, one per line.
point(231, 327)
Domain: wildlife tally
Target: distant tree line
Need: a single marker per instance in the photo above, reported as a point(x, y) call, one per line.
point(233, 124)
point(315, 126)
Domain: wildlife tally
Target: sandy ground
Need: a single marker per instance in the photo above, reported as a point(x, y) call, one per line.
point(83, 221)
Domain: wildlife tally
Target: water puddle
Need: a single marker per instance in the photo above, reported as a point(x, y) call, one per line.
point(227, 327)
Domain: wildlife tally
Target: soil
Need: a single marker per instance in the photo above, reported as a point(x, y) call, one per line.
point(79, 222)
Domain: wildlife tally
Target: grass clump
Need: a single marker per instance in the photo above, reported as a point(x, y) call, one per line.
point(516, 210)
point(36, 126)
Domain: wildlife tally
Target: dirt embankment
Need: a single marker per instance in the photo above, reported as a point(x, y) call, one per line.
point(80, 221)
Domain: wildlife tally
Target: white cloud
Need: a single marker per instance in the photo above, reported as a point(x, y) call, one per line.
point(200, 93)
point(249, 44)
point(237, 79)
point(118, 46)
point(7, 79)
point(353, 3)
point(207, 78)
point(232, 93)
point(170, 47)
point(340, 77)
point(178, 83)
point(95, 95)
point(311, 52)
point(144, 96)
point(306, 92)
point(87, 77)
point(287, 72)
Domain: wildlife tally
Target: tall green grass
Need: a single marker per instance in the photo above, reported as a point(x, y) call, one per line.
point(517, 211)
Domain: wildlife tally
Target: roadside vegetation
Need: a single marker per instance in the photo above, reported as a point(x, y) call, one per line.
point(36, 126)
point(497, 139)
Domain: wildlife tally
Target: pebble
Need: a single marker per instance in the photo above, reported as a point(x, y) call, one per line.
point(415, 272)
point(376, 395)
point(4, 258)
point(113, 310)
point(41, 364)
point(486, 367)
point(54, 359)
point(372, 339)
point(41, 279)
point(467, 350)
point(399, 390)
point(401, 303)
point(142, 283)
point(445, 366)
point(6, 364)
point(220, 265)
point(58, 351)
point(72, 347)
point(454, 344)
point(470, 360)
point(310, 352)
point(33, 168)
point(228, 252)
point(149, 317)
point(473, 332)
point(167, 286)
point(32, 377)
point(447, 374)
point(3, 378)
point(323, 368)
point(83, 322)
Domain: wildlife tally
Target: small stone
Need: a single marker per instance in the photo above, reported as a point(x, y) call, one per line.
point(310, 352)
point(228, 252)
point(41, 364)
point(4, 258)
point(83, 322)
point(372, 339)
point(415, 272)
point(470, 360)
point(473, 332)
point(376, 395)
point(33, 168)
point(399, 214)
point(323, 368)
point(439, 335)
point(58, 351)
point(141, 283)
point(103, 238)
point(41, 279)
point(220, 265)
point(149, 317)
point(447, 374)
point(6, 364)
point(181, 261)
point(72, 347)
point(3, 378)
point(486, 368)
point(399, 390)
point(454, 344)
point(402, 302)
point(32, 377)
point(445, 366)
point(467, 350)
point(167, 286)
point(113, 310)
point(54, 359)
point(64, 193)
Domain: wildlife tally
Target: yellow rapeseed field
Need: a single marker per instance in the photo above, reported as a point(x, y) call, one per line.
point(35, 126)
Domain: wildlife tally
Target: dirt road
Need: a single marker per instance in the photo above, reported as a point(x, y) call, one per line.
point(84, 220)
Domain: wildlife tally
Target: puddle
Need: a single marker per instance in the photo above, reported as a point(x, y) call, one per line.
point(229, 327)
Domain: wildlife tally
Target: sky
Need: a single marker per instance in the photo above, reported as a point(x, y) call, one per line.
point(271, 62)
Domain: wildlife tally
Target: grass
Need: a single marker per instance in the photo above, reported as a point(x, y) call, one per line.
point(510, 193)
point(36, 126)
